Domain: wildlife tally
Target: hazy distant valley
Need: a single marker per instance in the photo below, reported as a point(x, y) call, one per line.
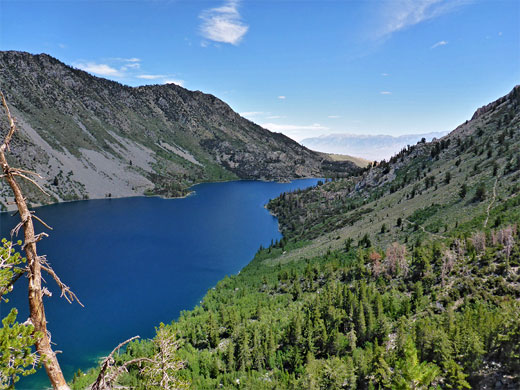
point(369, 147)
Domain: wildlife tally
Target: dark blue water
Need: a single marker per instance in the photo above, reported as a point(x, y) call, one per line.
point(136, 262)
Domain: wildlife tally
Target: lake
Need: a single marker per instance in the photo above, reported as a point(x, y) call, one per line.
point(136, 262)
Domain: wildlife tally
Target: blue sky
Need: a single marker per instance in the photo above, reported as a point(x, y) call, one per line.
point(300, 67)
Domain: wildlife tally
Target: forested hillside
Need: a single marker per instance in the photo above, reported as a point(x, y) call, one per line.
point(406, 277)
point(458, 182)
point(443, 313)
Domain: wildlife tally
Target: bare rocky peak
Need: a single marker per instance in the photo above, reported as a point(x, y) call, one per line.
point(512, 98)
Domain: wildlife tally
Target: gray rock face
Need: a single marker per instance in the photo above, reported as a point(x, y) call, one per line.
point(90, 137)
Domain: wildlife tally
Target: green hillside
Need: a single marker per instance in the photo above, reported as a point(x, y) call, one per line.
point(405, 277)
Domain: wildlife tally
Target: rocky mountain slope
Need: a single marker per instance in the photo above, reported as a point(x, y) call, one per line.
point(404, 277)
point(91, 138)
point(421, 192)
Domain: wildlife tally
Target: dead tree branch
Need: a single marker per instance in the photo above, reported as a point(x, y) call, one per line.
point(109, 373)
point(65, 290)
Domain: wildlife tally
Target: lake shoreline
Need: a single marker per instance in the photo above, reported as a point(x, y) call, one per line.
point(179, 250)
point(11, 206)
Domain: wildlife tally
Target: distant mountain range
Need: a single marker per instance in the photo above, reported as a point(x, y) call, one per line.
point(370, 147)
point(91, 138)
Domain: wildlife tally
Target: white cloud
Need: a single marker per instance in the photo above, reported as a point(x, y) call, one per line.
point(279, 127)
point(500, 33)
point(251, 114)
point(333, 116)
point(122, 59)
point(385, 74)
point(180, 83)
point(274, 117)
point(223, 24)
point(297, 132)
point(62, 45)
point(440, 43)
point(126, 68)
point(99, 69)
point(151, 76)
point(133, 65)
point(385, 93)
point(281, 97)
point(400, 14)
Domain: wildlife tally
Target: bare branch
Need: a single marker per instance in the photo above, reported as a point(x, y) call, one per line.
point(17, 173)
point(36, 238)
point(28, 172)
point(12, 126)
point(65, 290)
point(40, 220)
point(121, 345)
point(16, 229)
point(108, 374)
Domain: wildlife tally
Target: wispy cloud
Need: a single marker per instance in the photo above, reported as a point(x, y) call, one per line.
point(400, 14)
point(440, 43)
point(251, 114)
point(223, 24)
point(99, 69)
point(133, 65)
point(180, 83)
point(126, 69)
point(281, 97)
point(385, 93)
point(279, 127)
point(122, 59)
point(151, 76)
point(297, 132)
point(333, 116)
point(385, 74)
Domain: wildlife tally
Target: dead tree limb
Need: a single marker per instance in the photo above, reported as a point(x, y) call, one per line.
point(36, 308)
point(108, 373)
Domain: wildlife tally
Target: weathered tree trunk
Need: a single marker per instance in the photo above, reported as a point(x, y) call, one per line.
point(37, 312)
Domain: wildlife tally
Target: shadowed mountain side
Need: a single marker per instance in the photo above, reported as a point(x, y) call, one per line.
point(91, 138)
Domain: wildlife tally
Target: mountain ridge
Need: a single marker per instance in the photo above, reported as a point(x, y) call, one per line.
point(481, 155)
point(93, 138)
point(403, 277)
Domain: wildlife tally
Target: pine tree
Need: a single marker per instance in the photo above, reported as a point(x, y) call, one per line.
point(16, 340)
point(258, 355)
point(411, 374)
point(244, 353)
point(230, 356)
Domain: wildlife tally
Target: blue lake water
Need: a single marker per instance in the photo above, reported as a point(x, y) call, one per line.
point(136, 262)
